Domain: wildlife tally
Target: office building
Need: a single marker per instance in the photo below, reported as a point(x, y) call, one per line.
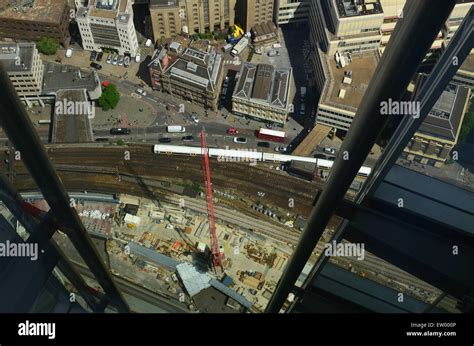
point(262, 93)
point(439, 133)
point(32, 20)
point(188, 73)
point(23, 65)
point(170, 18)
point(253, 12)
point(108, 24)
point(292, 11)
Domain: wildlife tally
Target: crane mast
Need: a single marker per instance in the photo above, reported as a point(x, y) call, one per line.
point(217, 253)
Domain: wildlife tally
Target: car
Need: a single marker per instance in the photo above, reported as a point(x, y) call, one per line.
point(96, 66)
point(187, 139)
point(281, 149)
point(164, 140)
point(120, 131)
point(241, 140)
point(69, 53)
point(331, 151)
point(140, 91)
point(99, 56)
point(268, 126)
point(93, 55)
point(120, 60)
point(273, 53)
point(263, 144)
point(109, 59)
point(126, 61)
point(232, 131)
point(195, 119)
point(115, 60)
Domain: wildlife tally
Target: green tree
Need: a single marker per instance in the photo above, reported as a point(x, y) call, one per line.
point(467, 124)
point(47, 46)
point(120, 142)
point(110, 97)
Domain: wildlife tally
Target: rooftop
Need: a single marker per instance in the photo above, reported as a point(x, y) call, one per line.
point(16, 57)
point(468, 64)
point(71, 122)
point(46, 11)
point(264, 83)
point(362, 67)
point(445, 118)
point(58, 77)
point(352, 8)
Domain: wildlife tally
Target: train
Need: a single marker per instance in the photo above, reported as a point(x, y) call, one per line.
point(247, 155)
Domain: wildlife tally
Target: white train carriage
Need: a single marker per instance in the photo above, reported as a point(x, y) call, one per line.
point(176, 149)
point(270, 157)
point(235, 155)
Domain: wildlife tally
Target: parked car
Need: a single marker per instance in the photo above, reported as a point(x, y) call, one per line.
point(126, 61)
point(263, 144)
point(241, 140)
point(120, 60)
point(140, 91)
point(69, 53)
point(93, 55)
point(273, 53)
point(281, 149)
point(268, 126)
point(232, 131)
point(331, 151)
point(187, 139)
point(115, 60)
point(195, 119)
point(164, 140)
point(96, 66)
point(120, 131)
point(109, 59)
point(99, 56)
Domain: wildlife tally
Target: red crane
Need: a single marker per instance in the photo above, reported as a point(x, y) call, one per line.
point(217, 252)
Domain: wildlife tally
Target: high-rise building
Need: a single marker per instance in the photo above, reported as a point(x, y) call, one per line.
point(108, 24)
point(253, 12)
point(292, 11)
point(23, 64)
point(33, 20)
point(170, 18)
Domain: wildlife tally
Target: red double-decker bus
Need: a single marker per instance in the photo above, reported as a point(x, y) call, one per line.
point(271, 135)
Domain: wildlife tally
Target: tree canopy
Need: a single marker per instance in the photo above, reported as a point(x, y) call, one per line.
point(110, 97)
point(47, 46)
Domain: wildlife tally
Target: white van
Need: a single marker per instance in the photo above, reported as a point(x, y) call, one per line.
point(175, 129)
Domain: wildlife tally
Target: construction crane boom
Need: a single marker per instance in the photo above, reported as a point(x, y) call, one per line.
point(216, 252)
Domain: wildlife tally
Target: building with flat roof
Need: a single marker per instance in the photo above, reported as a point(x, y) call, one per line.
point(292, 11)
point(71, 117)
point(58, 77)
point(465, 74)
point(344, 26)
point(31, 20)
point(262, 93)
point(188, 73)
point(108, 24)
point(439, 133)
point(23, 65)
point(342, 89)
point(170, 18)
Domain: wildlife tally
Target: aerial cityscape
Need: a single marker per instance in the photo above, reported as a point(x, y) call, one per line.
point(236, 156)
